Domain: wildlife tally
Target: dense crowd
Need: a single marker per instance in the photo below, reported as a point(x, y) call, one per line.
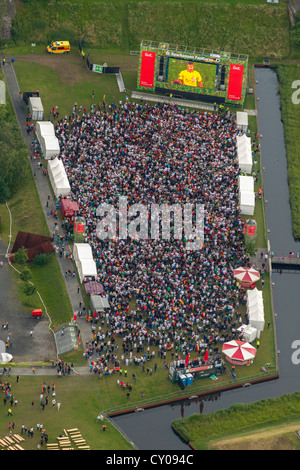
point(160, 293)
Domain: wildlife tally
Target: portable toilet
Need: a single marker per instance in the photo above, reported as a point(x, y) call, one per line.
point(183, 379)
point(190, 379)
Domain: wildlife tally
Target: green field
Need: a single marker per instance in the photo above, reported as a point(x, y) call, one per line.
point(246, 418)
point(248, 27)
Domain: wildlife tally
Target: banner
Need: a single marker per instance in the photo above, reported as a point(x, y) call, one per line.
point(235, 84)
point(147, 69)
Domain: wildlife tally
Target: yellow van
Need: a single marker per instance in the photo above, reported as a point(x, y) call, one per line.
point(59, 47)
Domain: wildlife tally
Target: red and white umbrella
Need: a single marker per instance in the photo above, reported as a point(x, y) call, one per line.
point(239, 350)
point(246, 274)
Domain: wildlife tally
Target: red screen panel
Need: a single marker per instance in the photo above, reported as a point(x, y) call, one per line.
point(147, 69)
point(235, 82)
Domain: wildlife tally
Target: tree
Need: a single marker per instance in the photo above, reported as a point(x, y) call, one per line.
point(26, 275)
point(21, 256)
point(29, 289)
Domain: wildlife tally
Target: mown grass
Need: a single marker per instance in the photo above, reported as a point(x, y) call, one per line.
point(81, 402)
point(244, 417)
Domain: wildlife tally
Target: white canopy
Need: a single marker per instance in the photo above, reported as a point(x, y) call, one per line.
point(246, 194)
point(49, 146)
point(246, 183)
point(43, 128)
point(255, 309)
point(58, 178)
point(36, 108)
point(249, 334)
point(98, 303)
point(5, 358)
point(242, 121)
point(86, 268)
point(244, 153)
point(84, 261)
point(82, 251)
point(247, 202)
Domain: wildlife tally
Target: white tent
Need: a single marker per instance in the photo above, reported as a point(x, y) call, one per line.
point(249, 334)
point(98, 303)
point(36, 108)
point(247, 202)
point(5, 358)
point(242, 121)
point(244, 153)
point(49, 146)
point(246, 183)
point(86, 268)
point(58, 178)
point(82, 251)
point(84, 261)
point(43, 128)
point(246, 194)
point(255, 309)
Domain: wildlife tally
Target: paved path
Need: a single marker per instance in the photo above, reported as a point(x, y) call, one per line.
point(44, 190)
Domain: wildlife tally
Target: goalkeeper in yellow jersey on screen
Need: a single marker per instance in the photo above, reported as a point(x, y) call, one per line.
point(189, 77)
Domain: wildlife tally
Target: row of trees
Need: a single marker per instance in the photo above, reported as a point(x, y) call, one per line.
point(13, 155)
point(21, 258)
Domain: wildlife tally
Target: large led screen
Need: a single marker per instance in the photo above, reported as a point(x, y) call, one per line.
point(192, 74)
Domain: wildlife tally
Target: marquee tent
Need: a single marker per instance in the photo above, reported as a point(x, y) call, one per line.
point(249, 334)
point(36, 108)
point(246, 275)
point(242, 121)
point(58, 178)
point(246, 183)
point(98, 303)
point(43, 128)
point(244, 153)
point(49, 146)
point(247, 202)
point(246, 194)
point(238, 352)
point(87, 269)
point(84, 261)
point(255, 309)
point(82, 251)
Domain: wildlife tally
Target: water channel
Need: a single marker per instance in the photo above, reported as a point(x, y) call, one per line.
point(151, 429)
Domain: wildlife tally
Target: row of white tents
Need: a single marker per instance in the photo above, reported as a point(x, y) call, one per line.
point(48, 141)
point(84, 261)
point(246, 194)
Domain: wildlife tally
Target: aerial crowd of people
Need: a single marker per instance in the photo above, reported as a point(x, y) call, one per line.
point(160, 292)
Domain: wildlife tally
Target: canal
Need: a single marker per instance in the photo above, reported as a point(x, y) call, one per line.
point(151, 429)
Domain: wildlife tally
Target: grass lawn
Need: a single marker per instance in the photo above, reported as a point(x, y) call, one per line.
point(287, 74)
point(80, 404)
point(247, 418)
